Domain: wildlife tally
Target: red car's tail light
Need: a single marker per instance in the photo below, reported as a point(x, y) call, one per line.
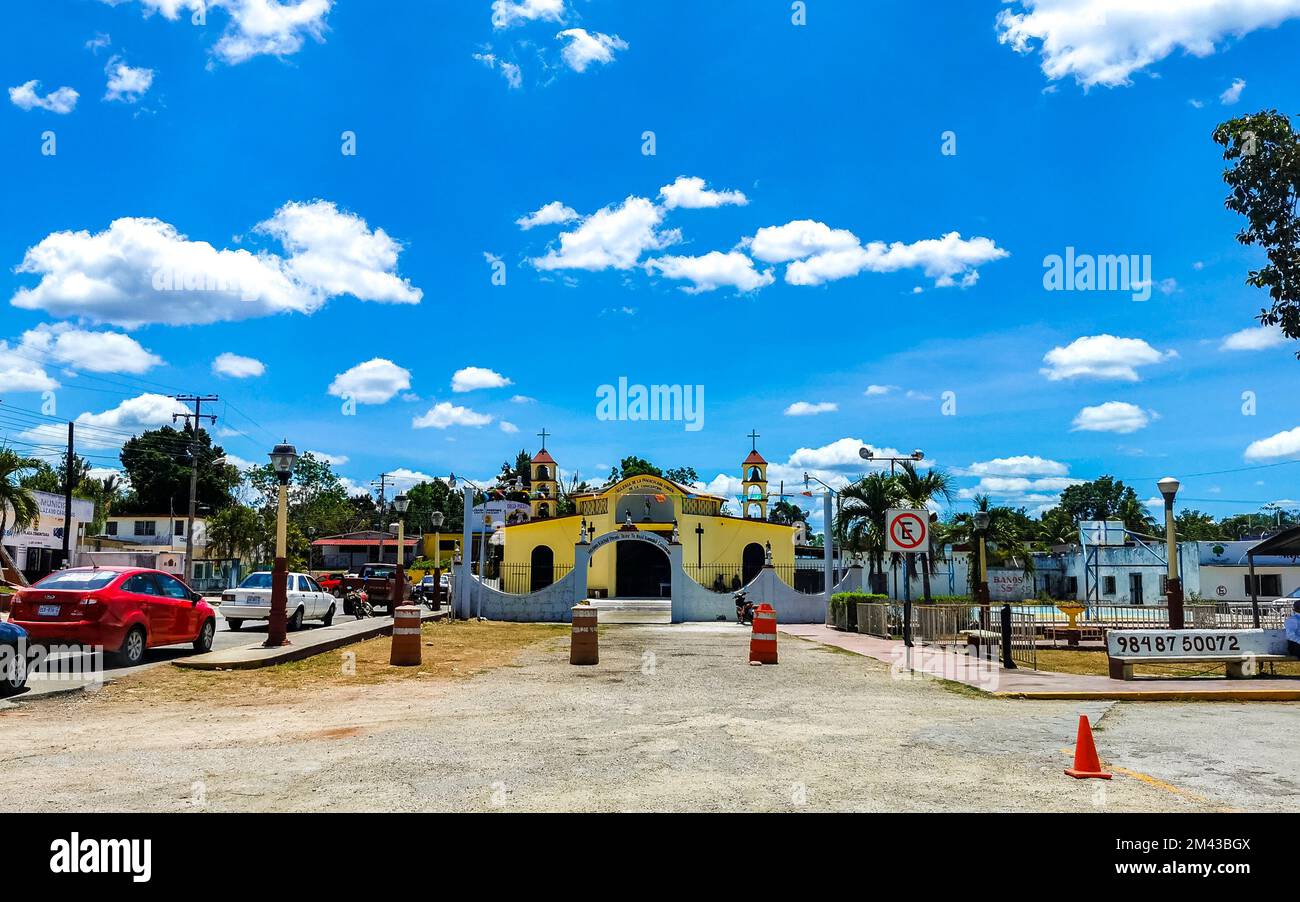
point(91, 607)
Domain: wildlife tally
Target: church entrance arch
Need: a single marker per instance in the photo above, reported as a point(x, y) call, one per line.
point(642, 567)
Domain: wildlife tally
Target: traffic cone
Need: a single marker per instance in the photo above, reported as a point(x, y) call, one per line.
point(762, 642)
point(1086, 763)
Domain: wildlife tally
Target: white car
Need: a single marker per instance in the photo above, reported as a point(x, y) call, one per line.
point(305, 600)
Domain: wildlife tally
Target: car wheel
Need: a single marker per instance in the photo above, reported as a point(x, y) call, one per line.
point(203, 642)
point(295, 622)
point(329, 617)
point(132, 651)
point(234, 624)
point(337, 593)
point(15, 676)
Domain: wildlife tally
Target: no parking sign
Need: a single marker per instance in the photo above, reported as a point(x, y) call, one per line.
point(907, 530)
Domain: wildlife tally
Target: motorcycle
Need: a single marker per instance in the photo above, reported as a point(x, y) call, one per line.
point(744, 608)
point(357, 602)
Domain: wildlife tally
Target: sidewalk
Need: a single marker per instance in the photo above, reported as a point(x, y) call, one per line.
point(1038, 684)
point(305, 644)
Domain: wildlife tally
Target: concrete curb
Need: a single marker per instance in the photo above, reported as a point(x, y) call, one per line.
point(308, 645)
point(1158, 695)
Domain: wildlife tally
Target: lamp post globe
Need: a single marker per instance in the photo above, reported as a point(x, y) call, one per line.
point(918, 454)
point(866, 453)
point(283, 457)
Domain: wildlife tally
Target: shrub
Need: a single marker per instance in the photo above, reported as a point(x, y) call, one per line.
point(840, 599)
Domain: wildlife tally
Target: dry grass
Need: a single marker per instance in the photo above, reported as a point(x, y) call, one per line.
point(450, 651)
point(1094, 662)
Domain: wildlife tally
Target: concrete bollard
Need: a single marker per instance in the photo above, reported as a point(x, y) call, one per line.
point(584, 647)
point(406, 636)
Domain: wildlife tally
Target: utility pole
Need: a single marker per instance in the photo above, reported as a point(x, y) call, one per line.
point(198, 416)
point(383, 484)
point(67, 498)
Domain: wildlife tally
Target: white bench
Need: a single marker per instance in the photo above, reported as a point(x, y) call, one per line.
point(1242, 651)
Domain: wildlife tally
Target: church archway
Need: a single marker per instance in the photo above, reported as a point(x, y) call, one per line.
point(641, 571)
point(542, 568)
point(751, 562)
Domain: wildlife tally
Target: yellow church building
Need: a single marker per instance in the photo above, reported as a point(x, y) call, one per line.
point(719, 550)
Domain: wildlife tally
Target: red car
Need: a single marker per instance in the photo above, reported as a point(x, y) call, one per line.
point(330, 582)
point(123, 609)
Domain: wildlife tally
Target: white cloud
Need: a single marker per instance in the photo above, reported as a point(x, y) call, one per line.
point(126, 83)
point(134, 415)
point(255, 27)
point(472, 378)
point(690, 193)
point(508, 427)
point(817, 254)
point(511, 72)
point(1283, 444)
point(1257, 338)
point(1113, 416)
point(334, 460)
point(713, 270)
point(506, 13)
point(875, 391)
point(612, 237)
point(21, 373)
point(809, 409)
point(95, 352)
point(585, 48)
point(375, 381)
point(444, 414)
point(142, 270)
point(1102, 357)
point(554, 213)
point(99, 42)
point(1019, 488)
point(1103, 42)
point(1233, 93)
point(236, 366)
point(27, 97)
point(797, 240)
point(337, 253)
point(942, 259)
point(1020, 465)
point(522, 399)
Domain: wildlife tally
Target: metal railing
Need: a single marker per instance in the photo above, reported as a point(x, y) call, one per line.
point(956, 624)
point(804, 578)
point(520, 579)
point(716, 577)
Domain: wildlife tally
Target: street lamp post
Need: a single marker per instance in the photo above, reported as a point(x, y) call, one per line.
point(916, 456)
point(401, 503)
point(283, 457)
point(982, 587)
point(829, 499)
point(1173, 584)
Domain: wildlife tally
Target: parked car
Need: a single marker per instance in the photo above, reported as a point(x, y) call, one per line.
point(332, 583)
point(13, 659)
point(124, 609)
point(378, 580)
point(305, 600)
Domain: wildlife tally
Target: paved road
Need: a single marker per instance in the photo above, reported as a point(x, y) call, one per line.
point(225, 638)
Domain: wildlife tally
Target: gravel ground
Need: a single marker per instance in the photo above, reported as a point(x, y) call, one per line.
point(673, 719)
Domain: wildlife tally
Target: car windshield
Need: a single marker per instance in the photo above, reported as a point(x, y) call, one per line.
point(78, 580)
point(379, 573)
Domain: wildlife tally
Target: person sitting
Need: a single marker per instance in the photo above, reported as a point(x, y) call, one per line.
point(1293, 631)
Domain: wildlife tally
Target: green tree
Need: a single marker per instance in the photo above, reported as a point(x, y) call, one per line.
point(1195, 526)
point(1007, 540)
point(786, 513)
point(633, 466)
point(157, 463)
point(682, 475)
point(42, 478)
point(16, 497)
point(1106, 498)
point(239, 532)
point(1057, 527)
point(1263, 174)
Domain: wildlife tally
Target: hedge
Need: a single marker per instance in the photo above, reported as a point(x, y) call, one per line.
point(840, 599)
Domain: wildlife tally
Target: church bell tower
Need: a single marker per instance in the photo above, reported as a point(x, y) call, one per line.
point(753, 483)
point(545, 495)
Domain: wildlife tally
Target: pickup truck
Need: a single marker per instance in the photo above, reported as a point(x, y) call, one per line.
point(377, 580)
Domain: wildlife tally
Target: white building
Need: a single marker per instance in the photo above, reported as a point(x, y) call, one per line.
point(1225, 573)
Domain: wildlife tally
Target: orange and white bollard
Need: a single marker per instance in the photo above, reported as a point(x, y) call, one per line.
point(584, 647)
point(406, 636)
point(762, 643)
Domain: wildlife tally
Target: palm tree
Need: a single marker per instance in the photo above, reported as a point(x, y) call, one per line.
point(14, 496)
point(1005, 542)
point(860, 523)
point(918, 490)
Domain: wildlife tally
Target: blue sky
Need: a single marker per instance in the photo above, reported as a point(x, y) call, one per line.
point(788, 150)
